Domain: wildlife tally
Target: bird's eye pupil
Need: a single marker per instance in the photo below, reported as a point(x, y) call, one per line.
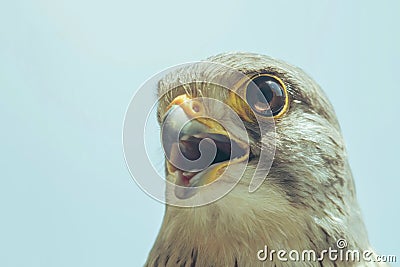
point(267, 90)
point(266, 96)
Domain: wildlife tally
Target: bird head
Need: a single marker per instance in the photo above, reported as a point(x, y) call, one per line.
point(272, 107)
point(306, 198)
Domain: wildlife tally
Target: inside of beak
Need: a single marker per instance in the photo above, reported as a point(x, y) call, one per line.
point(198, 148)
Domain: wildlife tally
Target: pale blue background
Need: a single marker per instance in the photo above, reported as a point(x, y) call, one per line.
point(69, 68)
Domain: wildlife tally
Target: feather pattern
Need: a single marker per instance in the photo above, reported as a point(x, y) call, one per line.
point(307, 201)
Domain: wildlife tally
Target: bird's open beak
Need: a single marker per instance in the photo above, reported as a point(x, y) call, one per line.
point(197, 148)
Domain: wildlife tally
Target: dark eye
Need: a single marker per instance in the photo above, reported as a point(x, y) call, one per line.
point(266, 96)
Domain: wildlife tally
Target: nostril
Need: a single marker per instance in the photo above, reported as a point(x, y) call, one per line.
point(196, 107)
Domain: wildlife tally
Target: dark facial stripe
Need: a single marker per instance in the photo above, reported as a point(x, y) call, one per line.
point(193, 257)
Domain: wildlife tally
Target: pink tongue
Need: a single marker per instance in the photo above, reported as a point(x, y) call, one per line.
point(186, 176)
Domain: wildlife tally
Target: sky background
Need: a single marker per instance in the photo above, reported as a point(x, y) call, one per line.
point(68, 70)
